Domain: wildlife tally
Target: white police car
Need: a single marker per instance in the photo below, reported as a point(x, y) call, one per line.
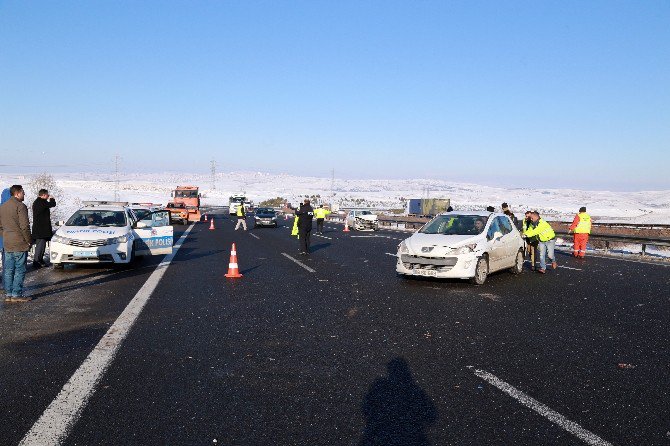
point(110, 232)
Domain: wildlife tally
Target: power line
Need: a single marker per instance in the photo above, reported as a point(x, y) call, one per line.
point(117, 161)
point(213, 170)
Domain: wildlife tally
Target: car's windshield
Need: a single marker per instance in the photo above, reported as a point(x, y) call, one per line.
point(237, 199)
point(186, 193)
point(454, 224)
point(265, 211)
point(365, 213)
point(96, 217)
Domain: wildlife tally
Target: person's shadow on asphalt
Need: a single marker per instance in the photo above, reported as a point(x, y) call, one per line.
point(397, 411)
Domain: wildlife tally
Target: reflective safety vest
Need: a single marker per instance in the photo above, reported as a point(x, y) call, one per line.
point(240, 210)
point(294, 231)
point(584, 225)
point(543, 231)
point(321, 212)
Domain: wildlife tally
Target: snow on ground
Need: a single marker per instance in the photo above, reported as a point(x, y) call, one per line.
point(554, 204)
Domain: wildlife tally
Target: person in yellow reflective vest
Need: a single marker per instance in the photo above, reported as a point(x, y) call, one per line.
point(294, 231)
point(320, 213)
point(546, 240)
point(241, 217)
point(581, 227)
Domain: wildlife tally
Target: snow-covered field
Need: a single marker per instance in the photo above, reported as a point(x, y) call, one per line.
point(554, 204)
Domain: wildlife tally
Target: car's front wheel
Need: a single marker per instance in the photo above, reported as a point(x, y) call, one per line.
point(481, 271)
point(518, 263)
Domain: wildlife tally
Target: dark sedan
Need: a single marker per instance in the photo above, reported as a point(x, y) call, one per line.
point(265, 217)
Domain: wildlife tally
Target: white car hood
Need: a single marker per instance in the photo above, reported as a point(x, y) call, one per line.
point(367, 217)
point(91, 232)
point(442, 244)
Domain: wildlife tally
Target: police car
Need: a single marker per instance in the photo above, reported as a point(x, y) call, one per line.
point(110, 232)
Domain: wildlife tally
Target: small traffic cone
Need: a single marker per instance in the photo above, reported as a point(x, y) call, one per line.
point(205, 217)
point(233, 270)
point(346, 227)
point(211, 224)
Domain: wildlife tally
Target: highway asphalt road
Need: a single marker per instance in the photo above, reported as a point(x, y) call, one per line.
point(336, 349)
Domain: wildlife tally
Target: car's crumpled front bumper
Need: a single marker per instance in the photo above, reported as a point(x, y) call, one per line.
point(461, 266)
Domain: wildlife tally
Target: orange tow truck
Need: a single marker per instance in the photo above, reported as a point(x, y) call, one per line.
point(184, 206)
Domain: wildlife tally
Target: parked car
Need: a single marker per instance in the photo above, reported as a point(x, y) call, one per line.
point(265, 217)
point(362, 220)
point(110, 232)
point(462, 245)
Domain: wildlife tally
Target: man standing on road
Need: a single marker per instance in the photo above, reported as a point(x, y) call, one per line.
point(581, 226)
point(546, 240)
point(241, 217)
point(531, 242)
point(320, 215)
point(306, 215)
point(42, 230)
point(15, 229)
point(4, 197)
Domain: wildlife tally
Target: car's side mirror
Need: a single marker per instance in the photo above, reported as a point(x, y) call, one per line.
point(497, 235)
point(60, 223)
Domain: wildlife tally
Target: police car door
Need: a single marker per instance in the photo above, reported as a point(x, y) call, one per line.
point(153, 234)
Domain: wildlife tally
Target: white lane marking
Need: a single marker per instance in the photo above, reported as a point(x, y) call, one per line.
point(322, 236)
point(298, 262)
point(568, 267)
point(389, 254)
point(58, 419)
point(254, 236)
point(364, 236)
point(553, 416)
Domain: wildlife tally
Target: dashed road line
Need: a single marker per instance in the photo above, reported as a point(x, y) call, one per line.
point(551, 415)
point(58, 419)
point(254, 236)
point(322, 236)
point(569, 267)
point(389, 254)
point(298, 262)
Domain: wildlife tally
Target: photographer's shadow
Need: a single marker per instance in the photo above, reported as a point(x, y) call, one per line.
point(397, 411)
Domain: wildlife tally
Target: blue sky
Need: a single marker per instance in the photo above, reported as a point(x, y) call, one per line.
point(517, 94)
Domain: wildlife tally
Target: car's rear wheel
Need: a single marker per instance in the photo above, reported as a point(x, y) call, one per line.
point(481, 271)
point(518, 263)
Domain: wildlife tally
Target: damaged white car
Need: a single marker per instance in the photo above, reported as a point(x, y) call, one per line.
point(462, 245)
point(362, 220)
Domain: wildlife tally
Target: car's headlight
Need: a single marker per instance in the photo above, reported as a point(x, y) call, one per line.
point(402, 248)
point(60, 239)
point(466, 249)
point(115, 240)
point(274, 218)
point(257, 217)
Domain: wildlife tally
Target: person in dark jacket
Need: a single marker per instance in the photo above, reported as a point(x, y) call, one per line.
point(306, 216)
point(15, 229)
point(42, 230)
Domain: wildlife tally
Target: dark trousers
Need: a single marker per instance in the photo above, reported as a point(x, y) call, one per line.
point(40, 246)
point(319, 225)
point(303, 236)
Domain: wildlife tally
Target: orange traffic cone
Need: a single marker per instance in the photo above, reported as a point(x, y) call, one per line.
point(211, 224)
point(233, 270)
point(205, 217)
point(346, 226)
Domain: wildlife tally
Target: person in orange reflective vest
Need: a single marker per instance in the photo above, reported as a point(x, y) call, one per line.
point(581, 227)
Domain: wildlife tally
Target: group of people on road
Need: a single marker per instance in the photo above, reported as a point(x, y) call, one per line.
point(540, 236)
point(17, 238)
